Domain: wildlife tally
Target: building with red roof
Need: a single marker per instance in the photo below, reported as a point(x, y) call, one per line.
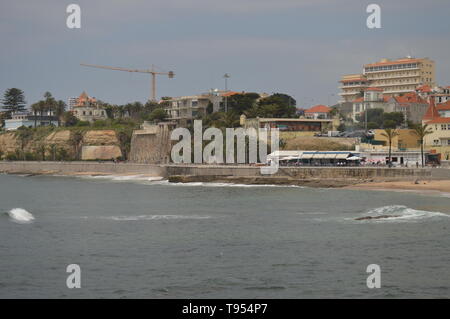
point(318, 112)
point(393, 77)
point(439, 125)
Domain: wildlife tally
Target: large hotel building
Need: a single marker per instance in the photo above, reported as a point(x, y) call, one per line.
point(394, 77)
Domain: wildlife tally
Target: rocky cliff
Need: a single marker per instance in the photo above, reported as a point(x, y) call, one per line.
point(61, 144)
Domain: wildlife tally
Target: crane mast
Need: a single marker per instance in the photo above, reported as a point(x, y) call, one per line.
point(151, 71)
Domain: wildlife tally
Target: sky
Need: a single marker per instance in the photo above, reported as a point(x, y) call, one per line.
point(297, 47)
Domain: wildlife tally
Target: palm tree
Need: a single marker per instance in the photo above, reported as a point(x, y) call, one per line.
point(60, 107)
point(35, 108)
point(390, 133)
point(75, 140)
point(421, 131)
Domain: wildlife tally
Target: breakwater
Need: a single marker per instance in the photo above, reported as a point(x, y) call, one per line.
point(309, 176)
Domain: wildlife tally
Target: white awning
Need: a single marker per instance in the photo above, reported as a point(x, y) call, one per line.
point(307, 155)
point(330, 156)
point(342, 156)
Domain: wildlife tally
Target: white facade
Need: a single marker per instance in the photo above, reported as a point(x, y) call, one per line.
point(30, 120)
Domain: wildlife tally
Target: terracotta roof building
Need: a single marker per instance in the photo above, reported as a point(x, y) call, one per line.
point(318, 112)
point(393, 77)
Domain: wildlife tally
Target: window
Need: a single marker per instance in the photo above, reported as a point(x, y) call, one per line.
point(443, 127)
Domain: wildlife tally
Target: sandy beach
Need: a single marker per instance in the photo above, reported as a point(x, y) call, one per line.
point(422, 185)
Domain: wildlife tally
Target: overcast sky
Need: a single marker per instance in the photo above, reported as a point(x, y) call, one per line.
point(298, 47)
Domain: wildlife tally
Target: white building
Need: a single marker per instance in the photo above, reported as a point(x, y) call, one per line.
point(87, 109)
point(28, 119)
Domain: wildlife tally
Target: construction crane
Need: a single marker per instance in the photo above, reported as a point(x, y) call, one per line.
point(152, 71)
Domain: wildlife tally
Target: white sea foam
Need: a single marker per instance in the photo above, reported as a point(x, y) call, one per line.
point(20, 215)
point(124, 177)
point(155, 217)
point(212, 184)
point(401, 213)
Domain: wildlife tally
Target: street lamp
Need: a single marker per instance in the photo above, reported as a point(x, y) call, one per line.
point(226, 76)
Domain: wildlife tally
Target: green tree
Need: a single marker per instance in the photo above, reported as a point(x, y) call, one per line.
point(158, 115)
point(395, 119)
point(421, 131)
point(37, 108)
point(69, 119)
point(60, 108)
point(373, 115)
point(13, 100)
point(75, 140)
point(24, 135)
point(390, 134)
point(282, 105)
point(389, 124)
point(241, 102)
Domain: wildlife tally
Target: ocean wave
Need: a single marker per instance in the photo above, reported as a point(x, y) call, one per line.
point(155, 217)
point(212, 184)
point(397, 213)
point(20, 215)
point(123, 177)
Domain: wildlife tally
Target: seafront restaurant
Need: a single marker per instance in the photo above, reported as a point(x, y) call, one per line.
point(316, 158)
point(398, 158)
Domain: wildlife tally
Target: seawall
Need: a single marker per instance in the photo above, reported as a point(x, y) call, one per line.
point(68, 168)
point(309, 176)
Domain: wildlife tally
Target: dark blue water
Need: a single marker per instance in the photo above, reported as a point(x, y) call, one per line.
point(142, 239)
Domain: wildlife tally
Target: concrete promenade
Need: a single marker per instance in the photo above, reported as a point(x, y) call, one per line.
point(297, 173)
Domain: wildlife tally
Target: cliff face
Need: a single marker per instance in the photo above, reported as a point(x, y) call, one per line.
point(8, 143)
point(103, 137)
point(66, 142)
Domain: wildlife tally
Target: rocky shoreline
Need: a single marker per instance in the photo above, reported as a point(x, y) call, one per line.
point(266, 180)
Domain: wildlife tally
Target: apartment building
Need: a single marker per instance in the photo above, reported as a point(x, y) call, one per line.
point(184, 109)
point(352, 86)
point(394, 77)
point(410, 104)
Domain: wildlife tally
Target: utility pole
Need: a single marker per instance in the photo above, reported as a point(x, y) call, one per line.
point(365, 115)
point(226, 77)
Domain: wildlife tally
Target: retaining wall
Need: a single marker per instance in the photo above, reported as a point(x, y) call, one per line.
point(80, 167)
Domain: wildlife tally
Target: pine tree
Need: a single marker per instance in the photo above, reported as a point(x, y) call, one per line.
point(13, 100)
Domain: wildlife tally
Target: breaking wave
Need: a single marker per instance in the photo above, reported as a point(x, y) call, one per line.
point(20, 215)
point(155, 217)
point(400, 213)
point(212, 184)
point(124, 177)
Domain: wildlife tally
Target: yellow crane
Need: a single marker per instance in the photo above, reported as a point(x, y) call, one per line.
point(152, 71)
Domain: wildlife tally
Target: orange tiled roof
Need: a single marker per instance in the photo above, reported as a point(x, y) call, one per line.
point(432, 112)
point(443, 106)
point(399, 61)
point(424, 88)
point(410, 97)
point(318, 109)
point(231, 93)
point(83, 99)
point(439, 120)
